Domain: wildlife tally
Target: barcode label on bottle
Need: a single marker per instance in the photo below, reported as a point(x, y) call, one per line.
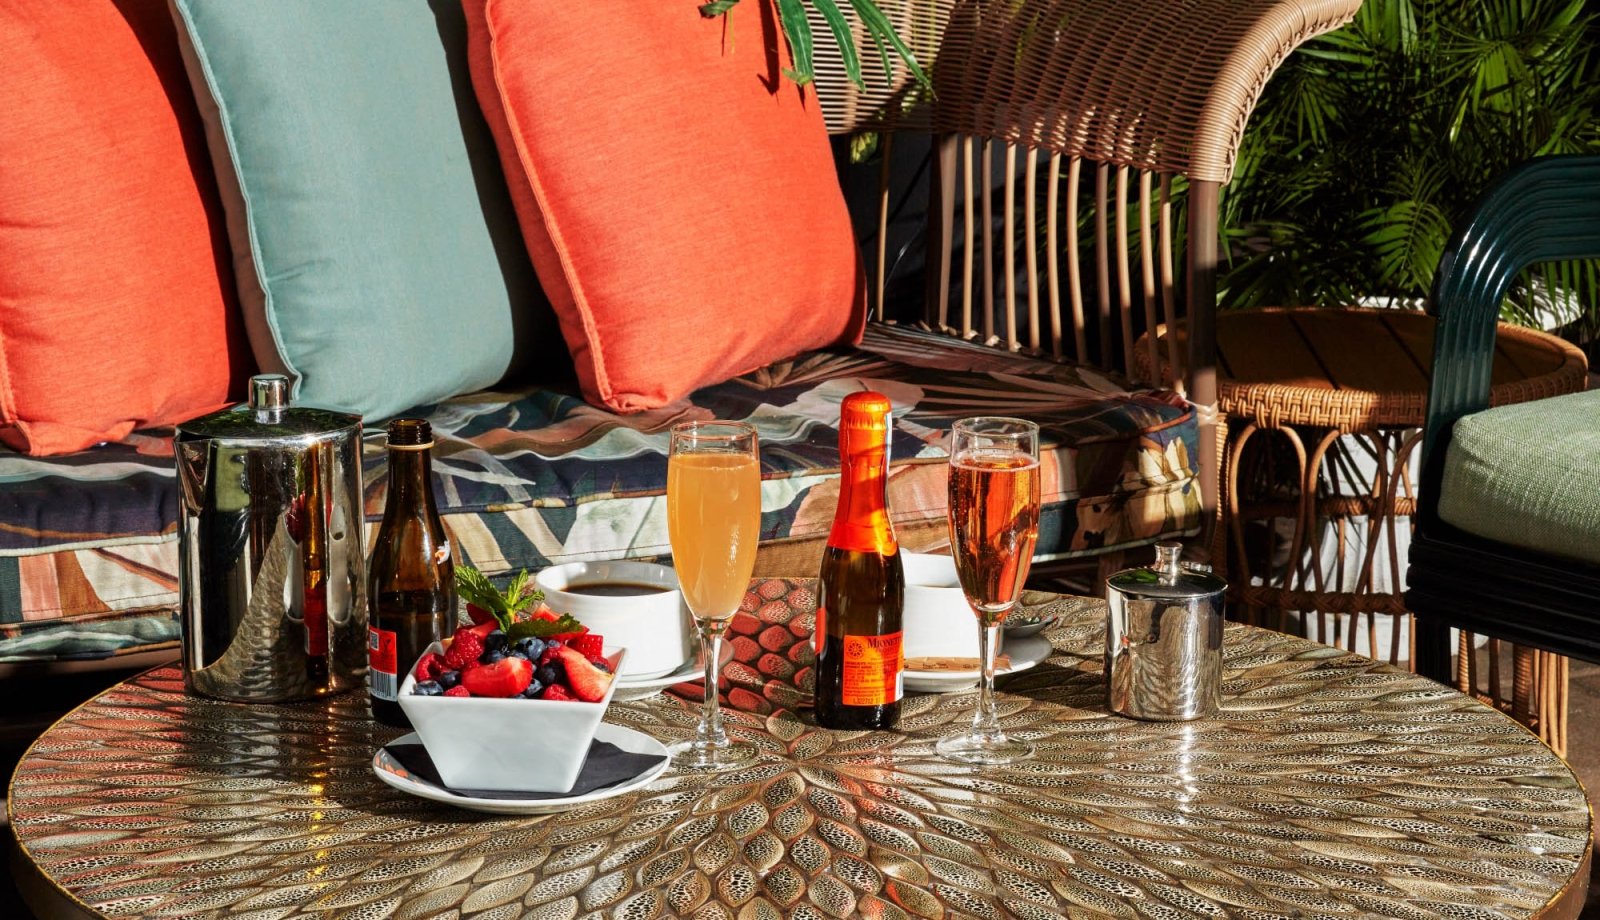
point(383, 678)
point(872, 670)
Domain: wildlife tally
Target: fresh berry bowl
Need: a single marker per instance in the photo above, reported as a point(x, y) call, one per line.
point(508, 744)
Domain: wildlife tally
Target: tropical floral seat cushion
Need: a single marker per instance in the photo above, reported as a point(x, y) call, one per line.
point(88, 542)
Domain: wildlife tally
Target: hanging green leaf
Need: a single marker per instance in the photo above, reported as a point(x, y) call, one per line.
point(881, 30)
point(798, 30)
point(841, 34)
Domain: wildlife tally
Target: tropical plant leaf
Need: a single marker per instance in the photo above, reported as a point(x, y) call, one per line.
point(1408, 237)
point(841, 33)
point(798, 30)
point(882, 31)
point(1328, 202)
point(717, 7)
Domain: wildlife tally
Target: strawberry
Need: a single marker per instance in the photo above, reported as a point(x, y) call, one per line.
point(506, 677)
point(482, 630)
point(544, 613)
point(556, 692)
point(569, 636)
point(458, 690)
point(588, 682)
point(589, 645)
point(479, 615)
point(464, 649)
point(430, 667)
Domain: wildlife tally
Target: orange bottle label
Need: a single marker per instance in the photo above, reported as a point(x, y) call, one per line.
point(872, 670)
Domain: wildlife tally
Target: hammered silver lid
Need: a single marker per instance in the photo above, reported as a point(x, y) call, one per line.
point(1168, 580)
point(268, 417)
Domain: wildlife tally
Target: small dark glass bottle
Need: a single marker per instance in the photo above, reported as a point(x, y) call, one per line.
point(411, 587)
point(860, 657)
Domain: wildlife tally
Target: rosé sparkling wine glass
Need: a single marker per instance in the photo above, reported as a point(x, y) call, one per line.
point(714, 522)
point(994, 524)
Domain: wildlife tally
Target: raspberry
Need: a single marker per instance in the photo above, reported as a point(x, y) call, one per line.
point(549, 653)
point(557, 692)
point(588, 645)
point(457, 690)
point(464, 650)
point(430, 667)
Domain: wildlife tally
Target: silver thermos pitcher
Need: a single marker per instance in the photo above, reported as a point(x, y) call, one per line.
point(1164, 640)
point(272, 582)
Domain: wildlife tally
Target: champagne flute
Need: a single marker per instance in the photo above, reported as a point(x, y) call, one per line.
point(994, 524)
point(714, 522)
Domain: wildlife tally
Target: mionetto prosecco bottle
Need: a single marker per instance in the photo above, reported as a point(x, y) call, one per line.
point(860, 656)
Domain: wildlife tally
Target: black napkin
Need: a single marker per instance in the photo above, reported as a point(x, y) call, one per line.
point(607, 765)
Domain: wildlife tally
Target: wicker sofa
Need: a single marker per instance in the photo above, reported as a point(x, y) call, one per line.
point(1019, 230)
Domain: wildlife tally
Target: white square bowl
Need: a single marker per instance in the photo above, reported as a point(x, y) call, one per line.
point(507, 745)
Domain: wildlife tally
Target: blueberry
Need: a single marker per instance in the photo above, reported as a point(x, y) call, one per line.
point(530, 648)
point(553, 643)
point(429, 688)
point(491, 656)
point(552, 673)
point(533, 691)
point(496, 641)
point(448, 679)
point(518, 653)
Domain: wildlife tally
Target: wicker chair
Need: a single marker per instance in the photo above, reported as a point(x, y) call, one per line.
point(1075, 144)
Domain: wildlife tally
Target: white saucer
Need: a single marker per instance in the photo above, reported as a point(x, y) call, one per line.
point(629, 740)
point(1023, 652)
point(641, 687)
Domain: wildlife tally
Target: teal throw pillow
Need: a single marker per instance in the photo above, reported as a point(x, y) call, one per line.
point(378, 256)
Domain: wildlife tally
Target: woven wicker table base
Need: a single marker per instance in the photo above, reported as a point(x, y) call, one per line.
point(1295, 385)
point(1330, 785)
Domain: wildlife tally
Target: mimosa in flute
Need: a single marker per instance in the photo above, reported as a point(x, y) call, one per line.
point(714, 522)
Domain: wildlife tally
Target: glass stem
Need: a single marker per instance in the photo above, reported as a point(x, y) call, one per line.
point(710, 732)
point(986, 721)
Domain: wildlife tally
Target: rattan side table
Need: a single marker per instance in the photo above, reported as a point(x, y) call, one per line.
point(1303, 379)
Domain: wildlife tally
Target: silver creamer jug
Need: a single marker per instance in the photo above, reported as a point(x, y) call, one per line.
point(1164, 640)
point(271, 580)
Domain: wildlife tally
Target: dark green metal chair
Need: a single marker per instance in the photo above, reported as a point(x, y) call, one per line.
point(1547, 210)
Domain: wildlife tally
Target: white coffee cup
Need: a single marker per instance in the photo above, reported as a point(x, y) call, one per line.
point(653, 627)
point(937, 620)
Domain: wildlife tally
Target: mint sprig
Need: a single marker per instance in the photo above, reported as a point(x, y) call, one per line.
point(476, 588)
point(543, 629)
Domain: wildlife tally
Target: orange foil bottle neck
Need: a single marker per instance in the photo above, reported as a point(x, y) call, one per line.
point(861, 522)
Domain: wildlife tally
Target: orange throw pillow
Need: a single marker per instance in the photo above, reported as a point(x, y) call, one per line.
point(677, 194)
point(115, 296)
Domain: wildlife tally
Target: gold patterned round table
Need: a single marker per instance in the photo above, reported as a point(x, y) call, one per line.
point(1330, 786)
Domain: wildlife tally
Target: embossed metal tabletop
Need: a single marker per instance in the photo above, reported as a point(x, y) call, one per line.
point(1330, 786)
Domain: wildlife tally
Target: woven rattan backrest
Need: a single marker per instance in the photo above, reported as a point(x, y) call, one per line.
point(1155, 84)
point(1078, 144)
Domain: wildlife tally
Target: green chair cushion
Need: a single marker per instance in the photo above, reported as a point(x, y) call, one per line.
point(1528, 475)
